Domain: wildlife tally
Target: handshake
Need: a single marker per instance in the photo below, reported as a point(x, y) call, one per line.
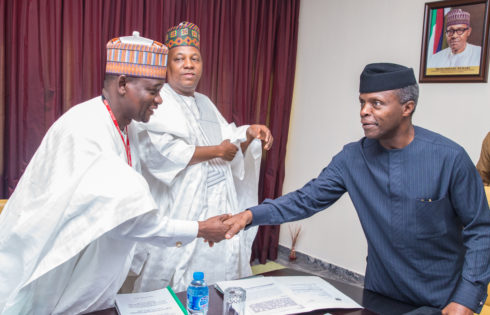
point(225, 226)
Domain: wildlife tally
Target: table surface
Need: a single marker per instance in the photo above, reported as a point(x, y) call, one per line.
point(372, 302)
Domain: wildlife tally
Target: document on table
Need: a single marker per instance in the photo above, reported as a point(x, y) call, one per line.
point(158, 302)
point(286, 295)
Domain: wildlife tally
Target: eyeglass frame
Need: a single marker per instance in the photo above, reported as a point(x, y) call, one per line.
point(459, 31)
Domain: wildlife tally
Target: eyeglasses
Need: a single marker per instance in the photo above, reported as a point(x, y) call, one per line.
point(458, 31)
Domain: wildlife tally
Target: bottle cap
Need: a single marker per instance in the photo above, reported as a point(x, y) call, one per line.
point(198, 275)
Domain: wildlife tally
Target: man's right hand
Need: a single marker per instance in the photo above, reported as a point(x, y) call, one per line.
point(213, 229)
point(228, 150)
point(225, 150)
point(238, 222)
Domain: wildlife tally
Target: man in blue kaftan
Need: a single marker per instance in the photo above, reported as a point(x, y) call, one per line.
point(419, 198)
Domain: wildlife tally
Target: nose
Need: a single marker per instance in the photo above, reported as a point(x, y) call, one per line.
point(158, 99)
point(188, 63)
point(365, 110)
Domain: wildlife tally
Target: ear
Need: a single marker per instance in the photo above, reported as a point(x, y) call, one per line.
point(122, 82)
point(469, 31)
point(408, 108)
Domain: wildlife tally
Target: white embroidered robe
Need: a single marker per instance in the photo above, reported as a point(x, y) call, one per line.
point(68, 232)
point(195, 192)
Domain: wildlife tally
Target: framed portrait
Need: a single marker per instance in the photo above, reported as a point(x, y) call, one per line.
point(455, 41)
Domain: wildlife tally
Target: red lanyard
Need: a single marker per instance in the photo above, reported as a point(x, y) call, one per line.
point(126, 144)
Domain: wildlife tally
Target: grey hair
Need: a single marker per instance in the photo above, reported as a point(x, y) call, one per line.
point(408, 93)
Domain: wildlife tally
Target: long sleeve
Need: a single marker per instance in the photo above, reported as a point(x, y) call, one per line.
point(164, 154)
point(157, 230)
point(483, 164)
point(315, 196)
point(468, 198)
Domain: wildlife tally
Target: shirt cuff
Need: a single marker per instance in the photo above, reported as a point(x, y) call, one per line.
point(241, 133)
point(185, 231)
point(260, 215)
point(470, 295)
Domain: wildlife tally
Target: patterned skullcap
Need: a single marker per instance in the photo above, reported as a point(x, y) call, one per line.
point(378, 77)
point(136, 56)
point(457, 16)
point(184, 34)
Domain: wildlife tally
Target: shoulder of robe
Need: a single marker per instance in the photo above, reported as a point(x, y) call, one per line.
point(487, 139)
point(203, 98)
point(434, 140)
point(88, 120)
point(167, 118)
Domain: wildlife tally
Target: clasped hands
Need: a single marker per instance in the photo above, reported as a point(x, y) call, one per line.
point(224, 226)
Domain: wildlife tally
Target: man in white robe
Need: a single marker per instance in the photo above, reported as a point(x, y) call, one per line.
point(197, 166)
point(69, 230)
point(460, 53)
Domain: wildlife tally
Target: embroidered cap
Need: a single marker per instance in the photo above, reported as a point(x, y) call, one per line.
point(136, 56)
point(457, 16)
point(184, 34)
point(378, 77)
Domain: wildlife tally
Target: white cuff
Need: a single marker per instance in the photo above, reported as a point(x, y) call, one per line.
point(184, 231)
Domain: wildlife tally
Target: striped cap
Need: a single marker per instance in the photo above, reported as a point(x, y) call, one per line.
point(457, 16)
point(136, 56)
point(184, 34)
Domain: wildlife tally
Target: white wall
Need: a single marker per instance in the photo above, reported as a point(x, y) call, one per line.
point(337, 38)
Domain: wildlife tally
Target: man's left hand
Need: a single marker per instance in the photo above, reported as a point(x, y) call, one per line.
point(454, 308)
point(238, 222)
point(262, 133)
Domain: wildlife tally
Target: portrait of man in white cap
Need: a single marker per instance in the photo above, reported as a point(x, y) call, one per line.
point(459, 53)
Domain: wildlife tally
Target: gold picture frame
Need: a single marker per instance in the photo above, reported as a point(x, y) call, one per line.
point(455, 53)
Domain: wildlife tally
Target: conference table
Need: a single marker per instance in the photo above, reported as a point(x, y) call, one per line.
point(372, 302)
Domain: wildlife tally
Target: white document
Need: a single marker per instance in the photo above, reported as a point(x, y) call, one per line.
point(158, 302)
point(286, 295)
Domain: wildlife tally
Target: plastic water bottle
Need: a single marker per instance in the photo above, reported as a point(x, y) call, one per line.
point(197, 295)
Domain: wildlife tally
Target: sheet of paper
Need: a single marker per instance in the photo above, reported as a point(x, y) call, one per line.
point(158, 302)
point(265, 297)
point(286, 295)
point(316, 292)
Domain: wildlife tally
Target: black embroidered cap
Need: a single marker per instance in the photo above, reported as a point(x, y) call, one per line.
point(385, 76)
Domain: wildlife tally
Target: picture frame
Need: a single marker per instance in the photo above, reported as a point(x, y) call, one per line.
point(452, 51)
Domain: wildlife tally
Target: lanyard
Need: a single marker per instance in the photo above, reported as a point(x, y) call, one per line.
point(126, 144)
